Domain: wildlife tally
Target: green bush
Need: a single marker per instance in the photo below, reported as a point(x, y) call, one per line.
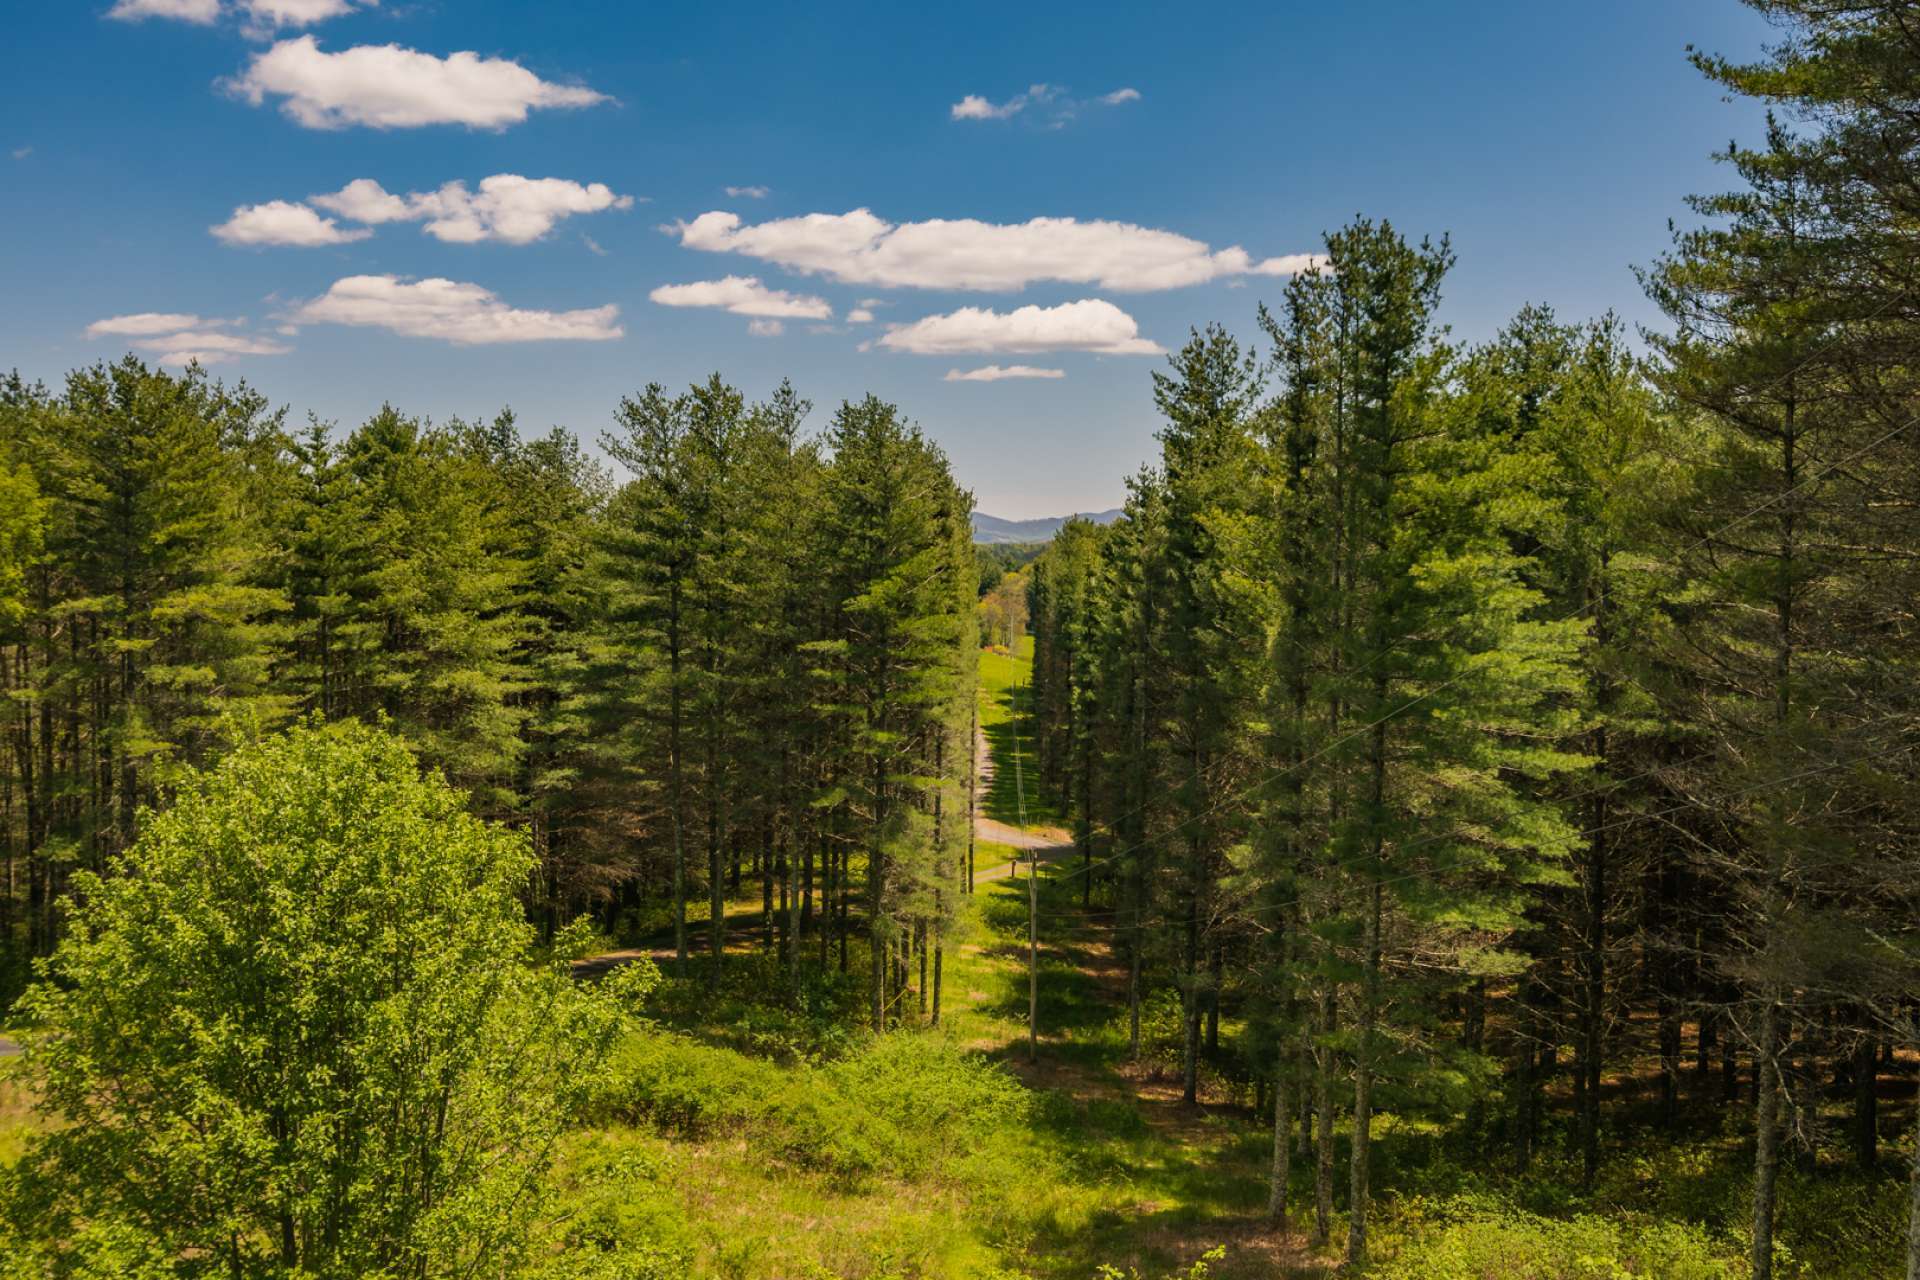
point(1479, 1237)
point(905, 1105)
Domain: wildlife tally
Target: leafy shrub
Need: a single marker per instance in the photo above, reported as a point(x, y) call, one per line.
point(905, 1105)
point(1479, 1237)
point(761, 1009)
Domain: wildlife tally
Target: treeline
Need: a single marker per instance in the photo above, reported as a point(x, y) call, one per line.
point(1472, 725)
point(750, 659)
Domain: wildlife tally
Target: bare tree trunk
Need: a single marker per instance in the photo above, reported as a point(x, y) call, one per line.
point(1282, 1143)
point(937, 949)
point(1766, 1144)
point(1323, 1125)
point(1866, 1104)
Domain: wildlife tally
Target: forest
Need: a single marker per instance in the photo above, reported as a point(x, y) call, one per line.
point(1458, 822)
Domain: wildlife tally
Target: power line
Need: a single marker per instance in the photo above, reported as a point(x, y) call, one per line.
point(1624, 821)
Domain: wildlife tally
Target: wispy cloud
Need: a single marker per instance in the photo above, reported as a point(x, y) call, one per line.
point(1050, 104)
point(453, 311)
point(749, 193)
point(179, 338)
point(1000, 372)
point(743, 296)
point(21, 153)
point(204, 12)
point(261, 18)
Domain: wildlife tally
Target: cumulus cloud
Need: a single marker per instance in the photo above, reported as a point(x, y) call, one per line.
point(364, 200)
point(766, 328)
point(860, 315)
point(463, 314)
point(749, 193)
point(390, 87)
point(996, 372)
point(145, 324)
point(179, 338)
point(964, 253)
point(507, 207)
point(201, 11)
point(743, 296)
point(1092, 324)
point(283, 222)
point(1119, 96)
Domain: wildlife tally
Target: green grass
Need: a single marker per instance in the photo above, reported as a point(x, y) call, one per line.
point(942, 1154)
point(756, 1133)
point(1003, 691)
point(939, 1153)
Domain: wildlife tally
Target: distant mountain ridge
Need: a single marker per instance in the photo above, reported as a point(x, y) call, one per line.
point(992, 529)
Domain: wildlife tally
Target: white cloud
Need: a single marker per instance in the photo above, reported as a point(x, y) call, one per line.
point(743, 296)
point(464, 314)
point(390, 87)
point(21, 153)
point(996, 372)
point(208, 348)
point(263, 16)
point(975, 107)
point(860, 315)
point(593, 246)
point(964, 253)
point(1091, 324)
point(268, 14)
point(1053, 105)
point(145, 324)
point(766, 328)
point(283, 222)
point(178, 338)
point(749, 193)
point(364, 200)
point(202, 11)
point(507, 207)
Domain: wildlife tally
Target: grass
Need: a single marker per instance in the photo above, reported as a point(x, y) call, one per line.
point(755, 1133)
point(1004, 678)
point(795, 1165)
point(943, 1154)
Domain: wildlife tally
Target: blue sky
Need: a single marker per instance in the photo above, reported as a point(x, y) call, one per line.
point(1553, 141)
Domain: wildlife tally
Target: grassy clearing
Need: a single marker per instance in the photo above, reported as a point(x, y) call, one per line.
point(1003, 680)
point(754, 1133)
point(797, 1149)
point(943, 1154)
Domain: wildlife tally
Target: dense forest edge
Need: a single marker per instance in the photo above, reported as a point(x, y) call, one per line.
point(1459, 820)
